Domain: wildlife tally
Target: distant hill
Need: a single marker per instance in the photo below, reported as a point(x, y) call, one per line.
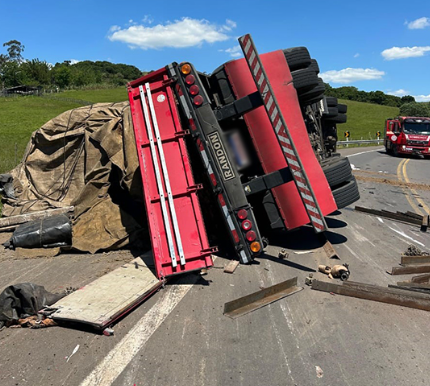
point(365, 119)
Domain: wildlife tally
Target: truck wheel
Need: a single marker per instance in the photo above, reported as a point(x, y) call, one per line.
point(342, 108)
point(309, 97)
point(332, 112)
point(340, 118)
point(304, 79)
point(346, 194)
point(314, 66)
point(297, 57)
point(331, 101)
point(337, 170)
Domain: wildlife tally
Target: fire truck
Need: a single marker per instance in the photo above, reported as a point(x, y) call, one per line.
point(235, 154)
point(407, 135)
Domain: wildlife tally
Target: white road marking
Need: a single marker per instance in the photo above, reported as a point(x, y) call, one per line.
point(122, 354)
point(364, 152)
point(406, 236)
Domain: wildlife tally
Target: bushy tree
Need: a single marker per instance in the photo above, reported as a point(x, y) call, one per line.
point(414, 109)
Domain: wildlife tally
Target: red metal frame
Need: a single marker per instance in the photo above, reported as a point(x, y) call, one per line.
point(266, 143)
point(192, 242)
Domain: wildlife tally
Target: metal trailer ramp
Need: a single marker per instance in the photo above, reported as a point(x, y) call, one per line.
point(108, 298)
point(178, 236)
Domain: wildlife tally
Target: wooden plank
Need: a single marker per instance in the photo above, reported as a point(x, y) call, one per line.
point(330, 251)
point(425, 223)
point(420, 259)
point(8, 222)
point(413, 285)
point(390, 215)
point(259, 299)
point(425, 278)
point(422, 268)
point(109, 297)
point(413, 289)
point(376, 293)
point(231, 266)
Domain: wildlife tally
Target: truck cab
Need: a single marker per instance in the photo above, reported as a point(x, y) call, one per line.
point(407, 135)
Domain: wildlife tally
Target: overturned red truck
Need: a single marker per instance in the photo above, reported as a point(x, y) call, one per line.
point(407, 135)
point(236, 154)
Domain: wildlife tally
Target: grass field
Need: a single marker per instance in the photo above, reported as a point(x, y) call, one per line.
point(365, 119)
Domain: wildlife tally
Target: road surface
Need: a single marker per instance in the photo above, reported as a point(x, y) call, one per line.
point(181, 337)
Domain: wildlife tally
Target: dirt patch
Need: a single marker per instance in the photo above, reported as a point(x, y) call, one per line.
point(393, 182)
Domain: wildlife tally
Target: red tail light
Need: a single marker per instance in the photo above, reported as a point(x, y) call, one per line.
point(190, 79)
point(246, 225)
point(194, 90)
point(242, 214)
point(198, 100)
point(251, 236)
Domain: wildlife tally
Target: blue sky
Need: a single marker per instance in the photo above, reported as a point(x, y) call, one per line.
point(372, 45)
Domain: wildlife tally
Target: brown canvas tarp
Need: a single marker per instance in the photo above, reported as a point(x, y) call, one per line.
point(87, 158)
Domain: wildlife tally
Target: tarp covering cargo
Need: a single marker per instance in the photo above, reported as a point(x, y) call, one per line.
point(85, 157)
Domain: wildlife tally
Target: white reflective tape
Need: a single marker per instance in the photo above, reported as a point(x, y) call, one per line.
point(205, 158)
point(251, 59)
point(317, 220)
point(277, 127)
point(274, 114)
point(185, 106)
point(287, 150)
point(306, 197)
point(228, 217)
point(256, 69)
point(303, 186)
point(312, 209)
point(266, 88)
point(293, 162)
point(260, 81)
point(243, 256)
point(248, 45)
point(269, 102)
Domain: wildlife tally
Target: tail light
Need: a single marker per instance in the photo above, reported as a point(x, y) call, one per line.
point(242, 214)
point(255, 247)
point(186, 69)
point(190, 79)
point(246, 225)
point(198, 100)
point(251, 236)
point(194, 89)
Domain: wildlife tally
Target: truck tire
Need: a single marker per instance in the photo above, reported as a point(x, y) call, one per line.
point(308, 97)
point(332, 112)
point(346, 194)
point(304, 79)
point(337, 170)
point(342, 108)
point(314, 66)
point(340, 118)
point(297, 57)
point(331, 101)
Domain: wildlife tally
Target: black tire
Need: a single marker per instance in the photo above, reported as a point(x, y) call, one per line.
point(314, 66)
point(297, 57)
point(340, 118)
point(346, 194)
point(311, 101)
point(304, 80)
point(332, 112)
point(317, 91)
point(337, 170)
point(342, 108)
point(331, 101)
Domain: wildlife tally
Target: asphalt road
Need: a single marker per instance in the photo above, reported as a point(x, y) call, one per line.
point(181, 337)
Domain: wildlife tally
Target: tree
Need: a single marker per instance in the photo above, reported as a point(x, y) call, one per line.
point(14, 50)
point(407, 99)
point(414, 109)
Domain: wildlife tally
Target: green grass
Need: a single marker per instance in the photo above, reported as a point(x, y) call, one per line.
point(118, 94)
point(365, 119)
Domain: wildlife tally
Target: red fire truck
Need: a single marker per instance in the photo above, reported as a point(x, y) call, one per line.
point(407, 135)
point(229, 155)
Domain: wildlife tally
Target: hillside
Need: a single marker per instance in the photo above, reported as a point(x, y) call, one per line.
point(365, 119)
point(20, 116)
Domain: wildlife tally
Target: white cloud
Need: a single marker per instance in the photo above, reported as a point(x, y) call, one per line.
point(398, 93)
point(404, 52)
point(74, 61)
point(349, 75)
point(235, 52)
point(422, 98)
point(356, 55)
point(420, 23)
point(182, 33)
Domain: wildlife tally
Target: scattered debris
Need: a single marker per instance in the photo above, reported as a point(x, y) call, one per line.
point(283, 254)
point(376, 293)
point(309, 279)
point(413, 250)
point(261, 298)
point(406, 217)
point(108, 332)
point(338, 271)
point(231, 266)
point(73, 353)
point(320, 372)
point(330, 251)
point(419, 268)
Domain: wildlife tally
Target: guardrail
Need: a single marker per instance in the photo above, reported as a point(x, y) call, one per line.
point(360, 142)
